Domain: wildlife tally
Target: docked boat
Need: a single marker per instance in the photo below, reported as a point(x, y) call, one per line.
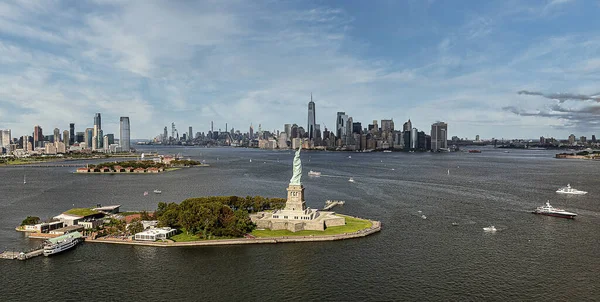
point(157, 191)
point(351, 179)
point(569, 190)
point(474, 151)
point(549, 210)
point(313, 173)
point(62, 243)
point(491, 228)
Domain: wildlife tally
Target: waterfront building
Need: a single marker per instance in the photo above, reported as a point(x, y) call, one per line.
point(50, 149)
point(296, 216)
point(71, 134)
point(387, 125)
point(583, 139)
point(155, 234)
point(124, 138)
point(439, 136)
point(311, 119)
point(61, 148)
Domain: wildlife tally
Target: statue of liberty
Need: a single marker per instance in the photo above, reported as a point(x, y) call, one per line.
point(297, 169)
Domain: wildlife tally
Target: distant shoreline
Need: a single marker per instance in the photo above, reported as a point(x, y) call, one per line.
point(376, 227)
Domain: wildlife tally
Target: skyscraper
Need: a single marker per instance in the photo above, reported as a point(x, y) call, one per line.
point(124, 134)
point(439, 136)
point(414, 139)
point(88, 136)
point(288, 130)
point(56, 135)
point(5, 139)
point(66, 137)
point(340, 124)
point(38, 135)
point(387, 125)
point(407, 126)
point(190, 133)
point(124, 137)
point(311, 119)
point(98, 120)
point(97, 139)
point(72, 133)
point(165, 137)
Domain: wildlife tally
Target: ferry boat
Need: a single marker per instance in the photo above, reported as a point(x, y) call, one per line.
point(157, 191)
point(62, 243)
point(569, 190)
point(549, 210)
point(313, 173)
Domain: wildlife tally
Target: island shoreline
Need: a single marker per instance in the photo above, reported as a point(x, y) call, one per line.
point(375, 227)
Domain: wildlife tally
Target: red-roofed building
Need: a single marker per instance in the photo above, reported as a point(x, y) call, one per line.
point(118, 169)
point(139, 170)
point(130, 218)
point(83, 170)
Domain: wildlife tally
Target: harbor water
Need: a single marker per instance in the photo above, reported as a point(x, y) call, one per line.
point(445, 257)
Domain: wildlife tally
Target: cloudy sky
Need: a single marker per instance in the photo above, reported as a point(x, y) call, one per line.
point(494, 68)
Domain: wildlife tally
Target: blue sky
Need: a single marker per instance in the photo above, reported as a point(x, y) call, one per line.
point(242, 62)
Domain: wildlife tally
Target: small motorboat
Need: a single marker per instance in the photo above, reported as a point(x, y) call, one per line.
point(146, 193)
point(491, 228)
point(351, 179)
point(454, 223)
point(157, 191)
point(423, 216)
point(313, 173)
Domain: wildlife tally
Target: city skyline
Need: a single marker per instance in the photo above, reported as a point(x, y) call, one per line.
point(487, 68)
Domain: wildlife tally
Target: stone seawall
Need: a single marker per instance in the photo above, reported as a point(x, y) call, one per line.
point(376, 227)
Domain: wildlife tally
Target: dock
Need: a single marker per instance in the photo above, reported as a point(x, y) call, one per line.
point(22, 255)
point(329, 204)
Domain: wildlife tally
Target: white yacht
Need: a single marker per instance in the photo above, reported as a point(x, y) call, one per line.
point(313, 173)
point(491, 228)
point(62, 243)
point(569, 190)
point(549, 210)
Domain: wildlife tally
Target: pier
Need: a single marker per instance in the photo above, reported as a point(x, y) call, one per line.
point(22, 255)
point(332, 203)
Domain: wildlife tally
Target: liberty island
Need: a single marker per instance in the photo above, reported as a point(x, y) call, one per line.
point(296, 216)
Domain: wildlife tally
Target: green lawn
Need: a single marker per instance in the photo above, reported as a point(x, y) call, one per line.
point(352, 225)
point(183, 237)
point(81, 212)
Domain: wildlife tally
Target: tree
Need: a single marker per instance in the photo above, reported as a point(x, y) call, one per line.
point(135, 227)
point(30, 220)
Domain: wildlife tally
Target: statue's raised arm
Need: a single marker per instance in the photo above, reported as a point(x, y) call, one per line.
point(297, 169)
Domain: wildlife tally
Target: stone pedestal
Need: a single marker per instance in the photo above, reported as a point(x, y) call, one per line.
point(295, 198)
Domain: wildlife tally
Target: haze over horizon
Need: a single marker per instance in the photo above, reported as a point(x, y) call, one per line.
point(495, 69)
